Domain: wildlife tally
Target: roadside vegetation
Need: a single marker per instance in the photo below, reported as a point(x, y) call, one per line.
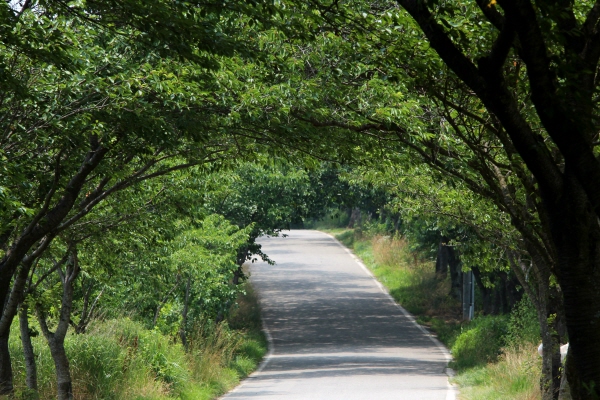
point(123, 359)
point(494, 356)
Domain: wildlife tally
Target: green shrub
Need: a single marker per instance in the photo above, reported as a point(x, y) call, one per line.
point(346, 237)
point(121, 359)
point(166, 360)
point(523, 326)
point(479, 342)
point(375, 227)
point(333, 219)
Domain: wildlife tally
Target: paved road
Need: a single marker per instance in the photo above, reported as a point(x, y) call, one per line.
point(334, 333)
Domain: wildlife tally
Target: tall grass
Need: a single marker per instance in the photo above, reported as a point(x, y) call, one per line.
point(513, 372)
point(122, 359)
point(479, 342)
point(515, 376)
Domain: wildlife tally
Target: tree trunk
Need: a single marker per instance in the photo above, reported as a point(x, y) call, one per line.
point(497, 302)
point(11, 306)
point(576, 232)
point(455, 273)
point(238, 275)
point(61, 364)
point(396, 224)
point(448, 259)
point(441, 261)
point(354, 218)
point(550, 380)
point(564, 391)
point(30, 366)
point(535, 280)
point(56, 339)
point(486, 293)
point(6, 376)
point(513, 294)
point(87, 312)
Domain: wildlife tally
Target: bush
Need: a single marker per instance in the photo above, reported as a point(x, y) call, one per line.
point(375, 227)
point(480, 341)
point(121, 359)
point(333, 219)
point(523, 325)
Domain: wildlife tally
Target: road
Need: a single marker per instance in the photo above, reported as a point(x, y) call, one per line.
point(334, 333)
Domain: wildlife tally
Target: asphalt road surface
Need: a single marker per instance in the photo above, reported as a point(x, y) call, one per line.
point(334, 333)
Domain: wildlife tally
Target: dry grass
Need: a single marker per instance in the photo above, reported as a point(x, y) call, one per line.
point(143, 385)
point(410, 280)
point(413, 281)
point(514, 377)
point(211, 351)
point(389, 251)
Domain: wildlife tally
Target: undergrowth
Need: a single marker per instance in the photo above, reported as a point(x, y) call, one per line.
point(514, 376)
point(122, 359)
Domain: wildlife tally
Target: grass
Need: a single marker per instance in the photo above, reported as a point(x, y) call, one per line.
point(480, 342)
point(121, 359)
point(515, 376)
point(487, 368)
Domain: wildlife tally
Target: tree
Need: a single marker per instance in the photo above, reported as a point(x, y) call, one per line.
point(270, 198)
point(559, 46)
point(383, 86)
point(73, 136)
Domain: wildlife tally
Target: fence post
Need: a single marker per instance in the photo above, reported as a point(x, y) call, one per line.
point(468, 296)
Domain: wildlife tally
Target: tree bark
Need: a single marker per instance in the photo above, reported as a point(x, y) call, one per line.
point(455, 273)
point(56, 339)
point(14, 298)
point(441, 261)
point(513, 295)
point(577, 234)
point(448, 259)
point(30, 365)
point(87, 311)
point(354, 218)
point(63, 372)
point(6, 375)
point(486, 293)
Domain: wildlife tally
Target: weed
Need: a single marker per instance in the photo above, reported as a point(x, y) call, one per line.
point(515, 376)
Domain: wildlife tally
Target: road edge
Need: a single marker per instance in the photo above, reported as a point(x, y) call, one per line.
point(263, 363)
point(452, 389)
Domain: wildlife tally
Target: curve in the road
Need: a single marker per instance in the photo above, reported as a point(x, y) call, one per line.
point(334, 332)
